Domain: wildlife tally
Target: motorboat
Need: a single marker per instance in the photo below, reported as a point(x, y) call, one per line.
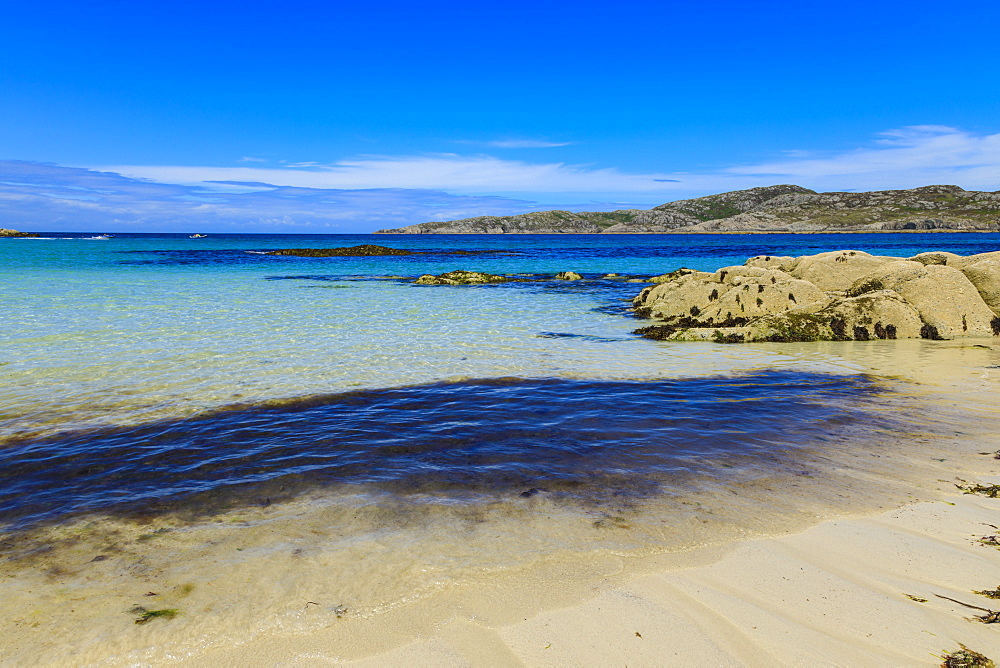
point(197, 236)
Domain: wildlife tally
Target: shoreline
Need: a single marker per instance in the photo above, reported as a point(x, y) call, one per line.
point(678, 233)
point(836, 593)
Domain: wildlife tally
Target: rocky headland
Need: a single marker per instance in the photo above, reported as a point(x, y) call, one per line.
point(841, 295)
point(781, 208)
point(4, 232)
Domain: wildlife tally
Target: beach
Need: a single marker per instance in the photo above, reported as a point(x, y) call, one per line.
point(332, 465)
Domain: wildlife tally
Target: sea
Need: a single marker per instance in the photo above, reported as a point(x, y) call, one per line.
point(202, 444)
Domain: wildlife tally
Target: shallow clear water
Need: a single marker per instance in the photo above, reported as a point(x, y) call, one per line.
point(144, 327)
point(179, 414)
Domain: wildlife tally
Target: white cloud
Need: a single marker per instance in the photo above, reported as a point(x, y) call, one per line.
point(526, 143)
point(446, 171)
point(903, 158)
point(900, 158)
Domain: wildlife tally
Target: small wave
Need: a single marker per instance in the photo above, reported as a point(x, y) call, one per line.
point(258, 252)
point(580, 337)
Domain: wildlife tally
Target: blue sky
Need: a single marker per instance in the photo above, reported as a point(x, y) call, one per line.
point(465, 108)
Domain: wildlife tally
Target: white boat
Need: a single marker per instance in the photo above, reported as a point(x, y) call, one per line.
point(101, 237)
point(197, 236)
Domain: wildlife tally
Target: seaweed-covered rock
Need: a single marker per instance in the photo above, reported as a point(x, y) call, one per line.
point(4, 232)
point(461, 277)
point(364, 250)
point(568, 276)
point(727, 297)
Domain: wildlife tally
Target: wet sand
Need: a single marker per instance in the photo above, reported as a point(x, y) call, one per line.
point(835, 594)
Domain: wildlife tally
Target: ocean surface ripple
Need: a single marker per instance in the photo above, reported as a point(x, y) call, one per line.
point(506, 436)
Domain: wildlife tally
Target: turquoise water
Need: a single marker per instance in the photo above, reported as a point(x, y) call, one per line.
point(145, 327)
point(232, 434)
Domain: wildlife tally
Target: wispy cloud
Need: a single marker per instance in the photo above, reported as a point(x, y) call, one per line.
point(899, 158)
point(367, 192)
point(526, 143)
point(40, 197)
point(515, 143)
point(250, 159)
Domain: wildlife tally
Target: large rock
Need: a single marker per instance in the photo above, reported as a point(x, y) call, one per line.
point(729, 297)
point(842, 295)
point(876, 315)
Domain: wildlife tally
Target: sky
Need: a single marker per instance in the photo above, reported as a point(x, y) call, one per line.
point(349, 117)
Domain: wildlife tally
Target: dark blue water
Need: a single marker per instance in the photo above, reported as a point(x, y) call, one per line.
point(643, 253)
point(580, 440)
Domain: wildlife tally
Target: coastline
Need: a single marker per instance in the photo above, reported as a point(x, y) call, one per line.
point(681, 232)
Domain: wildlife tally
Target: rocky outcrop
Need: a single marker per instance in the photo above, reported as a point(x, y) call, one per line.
point(364, 250)
point(4, 232)
point(462, 278)
point(841, 295)
point(781, 208)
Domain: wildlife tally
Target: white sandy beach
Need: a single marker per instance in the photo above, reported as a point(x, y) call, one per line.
point(835, 594)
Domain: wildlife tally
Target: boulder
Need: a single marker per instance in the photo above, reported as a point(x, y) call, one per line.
point(782, 262)
point(937, 257)
point(677, 273)
point(948, 303)
point(985, 275)
point(843, 295)
point(728, 297)
point(972, 259)
point(568, 276)
point(837, 270)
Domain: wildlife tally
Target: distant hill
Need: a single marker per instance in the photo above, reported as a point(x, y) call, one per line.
point(783, 208)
